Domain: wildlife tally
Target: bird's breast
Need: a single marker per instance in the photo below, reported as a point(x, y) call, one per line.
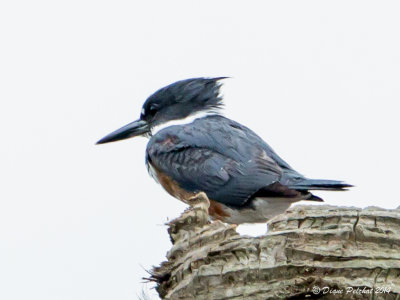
point(170, 185)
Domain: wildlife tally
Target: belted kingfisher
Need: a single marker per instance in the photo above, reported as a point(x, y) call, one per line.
point(244, 179)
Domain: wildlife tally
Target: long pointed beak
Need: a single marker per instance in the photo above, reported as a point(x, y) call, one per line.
point(136, 128)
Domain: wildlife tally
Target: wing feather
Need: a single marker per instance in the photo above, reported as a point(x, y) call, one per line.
point(214, 158)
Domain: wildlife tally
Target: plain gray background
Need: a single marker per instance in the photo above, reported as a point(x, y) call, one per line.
point(318, 80)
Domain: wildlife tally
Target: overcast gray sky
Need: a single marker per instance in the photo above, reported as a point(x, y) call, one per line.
point(318, 80)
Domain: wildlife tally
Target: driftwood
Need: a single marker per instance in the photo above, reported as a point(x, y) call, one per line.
point(309, 252)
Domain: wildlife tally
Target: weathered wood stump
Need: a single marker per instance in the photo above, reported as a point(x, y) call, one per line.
point(309, 252)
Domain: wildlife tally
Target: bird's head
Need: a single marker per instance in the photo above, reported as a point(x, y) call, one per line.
point(176, 101)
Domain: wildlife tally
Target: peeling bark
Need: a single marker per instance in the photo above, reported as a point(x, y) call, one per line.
point(333, 249)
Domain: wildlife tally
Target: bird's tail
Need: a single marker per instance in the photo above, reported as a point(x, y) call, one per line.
point(320, 184)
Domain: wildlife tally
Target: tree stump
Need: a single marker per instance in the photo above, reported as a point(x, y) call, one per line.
point(308, 252)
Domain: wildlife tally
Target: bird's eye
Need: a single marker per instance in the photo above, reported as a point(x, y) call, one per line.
point(152, 110)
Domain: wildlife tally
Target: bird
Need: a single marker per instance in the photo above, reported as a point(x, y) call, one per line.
point(193, 148)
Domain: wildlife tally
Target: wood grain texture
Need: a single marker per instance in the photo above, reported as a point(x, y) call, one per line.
point(307, 247)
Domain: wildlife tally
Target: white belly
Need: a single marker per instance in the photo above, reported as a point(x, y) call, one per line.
point(263, 210)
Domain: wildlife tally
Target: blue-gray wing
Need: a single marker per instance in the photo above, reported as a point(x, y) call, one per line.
point(214, 156)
